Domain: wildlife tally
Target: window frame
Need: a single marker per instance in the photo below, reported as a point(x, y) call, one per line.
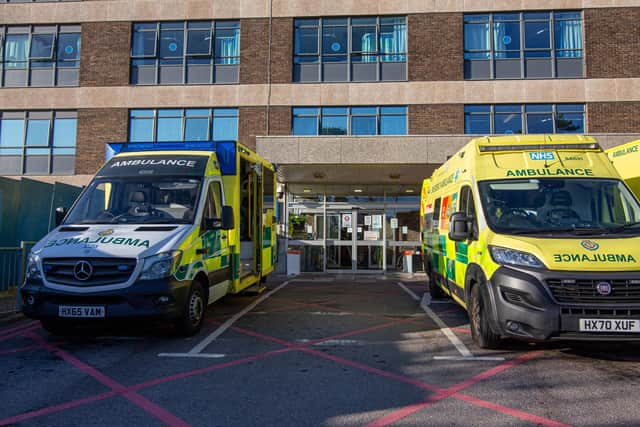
point(320, 58)
point(525, 53)
point(24, 151)
point(379, 115)
point(52, 64)
point(524, 115)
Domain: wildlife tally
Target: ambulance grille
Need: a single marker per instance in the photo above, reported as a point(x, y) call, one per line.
point(581, 291)
point(106, 271)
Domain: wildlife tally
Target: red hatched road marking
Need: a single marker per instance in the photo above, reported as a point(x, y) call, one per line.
point(137, 399)
point(162, 414)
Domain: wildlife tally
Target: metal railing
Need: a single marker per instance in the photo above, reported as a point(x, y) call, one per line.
point(13, 261)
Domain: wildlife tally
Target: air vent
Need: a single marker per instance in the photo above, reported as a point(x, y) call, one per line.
point(157, 228)
point(68, 229)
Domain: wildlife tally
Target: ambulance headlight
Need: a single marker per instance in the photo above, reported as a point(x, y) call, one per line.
point(33, 271)
point(160, 266)
point(506, 256)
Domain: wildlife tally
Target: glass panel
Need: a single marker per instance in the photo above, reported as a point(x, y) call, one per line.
point(68, 50)
point(225, 128)
point(506, 36)
point(477, 124)
point(334, 40)
point(536, 35)
point(305, 125)
point(476, 37)
point(507, 108)
point(540, 108)
point(363, 111)
point(15, 50)
point(169, 129)
point(539, 123)
point(570, 123)
point(363, 125)
point(199, 42)
point(38, 132)
point(570, 108)
point(141, 130)
point(568, 39)
point(393, 42)
point(141, 113)
point(508, 123)
point(144, 44)
point(334, 125)
point(339, 257)
point(393, 125)
point(363, 39)
point(11, 132)
point(41, 46)
point(477, 108)
point(227, 46)
point(171, 43)
point(196, 129)
point(306, 41)
point(64, 132)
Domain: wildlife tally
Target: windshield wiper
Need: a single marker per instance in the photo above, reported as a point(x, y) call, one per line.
point(580, 231)
point(625, 227)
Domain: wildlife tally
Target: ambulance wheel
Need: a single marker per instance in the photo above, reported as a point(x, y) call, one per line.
point(481, 331)
point(190, 322)
point(56, 327)
point(434, 290)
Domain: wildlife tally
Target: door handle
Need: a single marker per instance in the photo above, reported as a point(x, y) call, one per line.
point(203, 251)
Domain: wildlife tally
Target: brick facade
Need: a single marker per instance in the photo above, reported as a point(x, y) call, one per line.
point(438, 119)
point(280, 120)
point(252, 121)
point(613, 117)
point(96, 127)
point(435, 47)
point(104, 57)
point(612, 41)
point(282, 50)
point(254, 51)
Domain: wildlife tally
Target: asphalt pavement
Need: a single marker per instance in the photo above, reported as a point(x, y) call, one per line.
point(315, 350)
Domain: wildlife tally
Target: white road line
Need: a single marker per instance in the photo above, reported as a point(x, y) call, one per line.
point(478, 358)
point(459, 345)
point(331, 313)
point(202, 355)
point(226, 325)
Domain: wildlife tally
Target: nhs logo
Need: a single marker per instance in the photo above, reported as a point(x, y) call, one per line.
point(541, 155)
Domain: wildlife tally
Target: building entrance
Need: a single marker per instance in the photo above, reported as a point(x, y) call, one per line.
point(354, 234)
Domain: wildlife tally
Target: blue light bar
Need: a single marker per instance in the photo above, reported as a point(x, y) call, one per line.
point(225, 150)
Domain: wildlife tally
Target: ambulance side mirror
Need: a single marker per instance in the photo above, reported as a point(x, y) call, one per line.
point(228, 222)
point(61, 212)
point(459, 227)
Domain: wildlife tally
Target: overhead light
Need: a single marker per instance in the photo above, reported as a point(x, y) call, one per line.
point(306, 190)
point(409, 190)
point(357, 190)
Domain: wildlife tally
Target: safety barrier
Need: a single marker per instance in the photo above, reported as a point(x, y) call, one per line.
point(13, 261)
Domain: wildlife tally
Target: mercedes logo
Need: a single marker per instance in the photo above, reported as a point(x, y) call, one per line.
point(82, 270)
point(603, 288)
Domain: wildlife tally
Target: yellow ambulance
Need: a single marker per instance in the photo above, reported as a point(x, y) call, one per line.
point(537, 237)
point(626, 160)
point(161, 231)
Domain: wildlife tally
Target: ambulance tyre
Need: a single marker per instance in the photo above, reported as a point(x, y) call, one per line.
point(190, 322)
point(481, 331)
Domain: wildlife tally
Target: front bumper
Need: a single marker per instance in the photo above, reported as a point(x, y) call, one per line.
point(524, 307)
point(140, 300)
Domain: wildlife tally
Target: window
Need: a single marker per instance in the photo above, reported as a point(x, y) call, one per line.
point(528, 118)
point(436, 214)
point(350, 120)
point(185, 52)
point(467, 206)
point(37, 142)
point(523, 45)
point(191, 124)
point(350, 49)
point(213, 204)
point(39, 55)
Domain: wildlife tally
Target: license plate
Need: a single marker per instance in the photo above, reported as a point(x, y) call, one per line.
point(81, 311)
point(609, 325)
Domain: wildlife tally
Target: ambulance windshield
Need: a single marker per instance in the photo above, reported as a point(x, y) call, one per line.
point(548, 205)
point(148, 200)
